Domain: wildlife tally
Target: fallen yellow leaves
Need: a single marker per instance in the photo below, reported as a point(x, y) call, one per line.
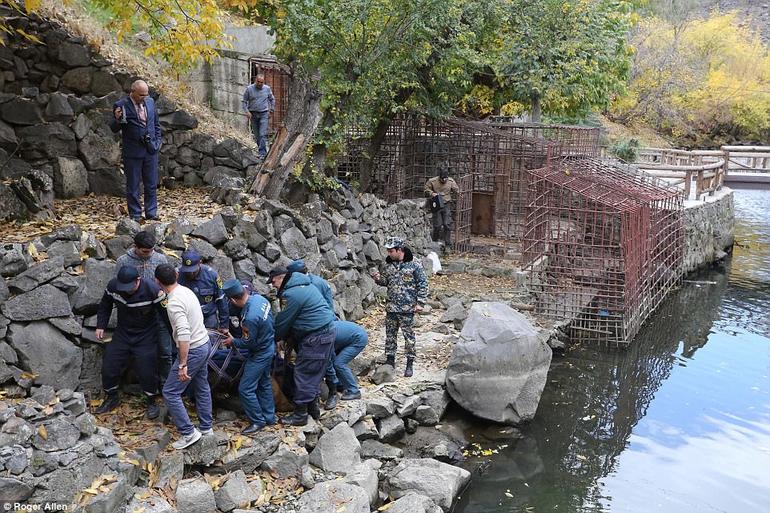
point(101, 484)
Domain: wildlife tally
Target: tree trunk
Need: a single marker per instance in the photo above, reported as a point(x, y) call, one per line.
point(367, 166)
point(536, 114)
point(288, 148)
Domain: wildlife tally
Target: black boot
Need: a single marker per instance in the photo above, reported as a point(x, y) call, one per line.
point(314, 410)
point(298, 418)
point(390, 360)
point(110, 402)
point(153, 411)
point(331, 401)
point(408, 372)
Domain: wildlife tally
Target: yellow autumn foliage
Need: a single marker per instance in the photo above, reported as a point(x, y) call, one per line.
point(703, 81)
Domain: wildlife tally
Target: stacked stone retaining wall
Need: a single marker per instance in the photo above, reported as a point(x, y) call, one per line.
point(709, 229)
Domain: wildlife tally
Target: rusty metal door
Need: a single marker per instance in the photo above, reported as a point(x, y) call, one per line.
point(277, 76)
point(463, 214)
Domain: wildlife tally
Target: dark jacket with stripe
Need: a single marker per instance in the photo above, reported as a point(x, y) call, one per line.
point(140, 315)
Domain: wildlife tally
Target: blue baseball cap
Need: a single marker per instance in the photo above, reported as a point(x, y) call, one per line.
point(127, 275)
point(233, 288)
point(297, 266)
point(191, 261)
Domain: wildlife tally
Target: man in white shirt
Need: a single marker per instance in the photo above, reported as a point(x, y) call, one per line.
point(190, 369)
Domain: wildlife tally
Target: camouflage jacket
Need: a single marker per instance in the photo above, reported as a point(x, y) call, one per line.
point(406, 282)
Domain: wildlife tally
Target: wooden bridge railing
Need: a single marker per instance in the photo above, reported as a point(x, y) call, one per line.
point(706, 168)
point(747, 159)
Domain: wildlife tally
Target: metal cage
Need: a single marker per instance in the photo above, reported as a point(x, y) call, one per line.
point(603, 245)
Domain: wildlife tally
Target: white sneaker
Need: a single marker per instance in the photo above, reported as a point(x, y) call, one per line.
point(187, 441)
point(206, 432)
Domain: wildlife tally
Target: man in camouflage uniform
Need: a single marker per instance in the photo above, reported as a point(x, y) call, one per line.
point(407, 294)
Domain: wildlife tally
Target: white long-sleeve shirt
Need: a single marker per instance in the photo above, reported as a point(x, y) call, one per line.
point(186, 317)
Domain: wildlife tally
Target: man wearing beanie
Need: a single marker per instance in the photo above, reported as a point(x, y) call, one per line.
point(256, 385)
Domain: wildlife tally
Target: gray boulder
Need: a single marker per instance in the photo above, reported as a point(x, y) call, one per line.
point(152, 504)
point(286, 462)
point(365, 476)
point(41, 303)
point(61, 435)
point(414, 503)
point(98, 273)
point(438, 481)
point(334, 497)
point(212, 231)
point(37, 275)
point(68, 250)
point(499, 367)
point(43, 350)
point(4, 292)
point(13, 490)
point(380, 451)
point(234, 493)
point(391, 428)
point(70, 178)
point(338, 450)
point(456, 312)
point(12, 260)
point(380, 407)
point(195, 496)
point(250, 457)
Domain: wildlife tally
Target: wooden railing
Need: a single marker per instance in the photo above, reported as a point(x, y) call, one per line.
point(705, 168)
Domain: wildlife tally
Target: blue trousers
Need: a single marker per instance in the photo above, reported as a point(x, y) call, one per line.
point(259, 130)
point(337, 369)
point(143, 347)
point(312, 357)
point(211, 321)
point(145, 171)
point(198, 370)
point(256, 388)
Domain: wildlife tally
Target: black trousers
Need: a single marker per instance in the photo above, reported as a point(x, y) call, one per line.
point(443, 224)
point(143, 348)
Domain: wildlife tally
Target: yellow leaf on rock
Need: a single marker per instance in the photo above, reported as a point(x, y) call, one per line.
point(42, 432)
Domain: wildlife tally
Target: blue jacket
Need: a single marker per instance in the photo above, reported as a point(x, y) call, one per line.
point(349, 333)
point(324, 288)
point(136, 144)
point(304, 310)
point(257, 325)
point(208, 287)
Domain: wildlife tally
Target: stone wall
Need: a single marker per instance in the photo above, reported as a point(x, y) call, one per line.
point(709, 229)
point(55, 103)
point(48, 307)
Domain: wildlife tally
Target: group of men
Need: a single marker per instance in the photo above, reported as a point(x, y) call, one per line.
point(166, 317)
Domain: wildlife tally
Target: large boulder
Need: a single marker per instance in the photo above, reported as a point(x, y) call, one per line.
point(213, 231)
point(334, 497)
point(499, 366)
point(40, 303)
point(414, 503)
point(37, 275)
point(338, 450)
point(195, 496)
point(70, 178)
point(47, 141)
point(89, 294)
point(438, 481)
point(43, 350)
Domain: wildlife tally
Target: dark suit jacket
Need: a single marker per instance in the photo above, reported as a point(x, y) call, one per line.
point(135, 145)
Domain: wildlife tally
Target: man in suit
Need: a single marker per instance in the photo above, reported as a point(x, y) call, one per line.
point(136, 119)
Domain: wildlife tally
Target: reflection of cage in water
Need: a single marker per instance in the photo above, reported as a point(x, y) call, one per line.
point(603, 244)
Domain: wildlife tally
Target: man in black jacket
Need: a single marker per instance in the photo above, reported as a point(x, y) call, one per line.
point(140, 318)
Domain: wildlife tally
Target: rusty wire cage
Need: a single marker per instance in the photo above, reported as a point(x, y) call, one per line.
point(494, 155)
point(603, 245)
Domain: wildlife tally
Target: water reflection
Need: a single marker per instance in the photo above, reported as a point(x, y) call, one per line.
point(679, 422)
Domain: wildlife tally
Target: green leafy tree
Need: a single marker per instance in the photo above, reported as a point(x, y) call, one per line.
point(564, 57)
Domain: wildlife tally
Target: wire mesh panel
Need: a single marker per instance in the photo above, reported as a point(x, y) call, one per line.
point(603, 245)
point(463, 214)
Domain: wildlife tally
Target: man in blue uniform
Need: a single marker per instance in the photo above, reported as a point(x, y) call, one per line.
point(351, 339)
point(139, 308)
point(309, 319)
point(256, 386)
point(298, 266)
point(136, 118)
point(205, 283)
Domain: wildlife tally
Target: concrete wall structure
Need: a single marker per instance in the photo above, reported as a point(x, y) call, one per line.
point(709, 228)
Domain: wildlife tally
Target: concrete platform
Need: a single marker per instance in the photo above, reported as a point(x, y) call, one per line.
point(739, 180)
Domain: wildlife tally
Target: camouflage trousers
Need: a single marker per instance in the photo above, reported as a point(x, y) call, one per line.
point(394, 321)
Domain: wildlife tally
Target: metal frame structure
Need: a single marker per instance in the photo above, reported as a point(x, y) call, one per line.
point(603, 245)
point(496, 155)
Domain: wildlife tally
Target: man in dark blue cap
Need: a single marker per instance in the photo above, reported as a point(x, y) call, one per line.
point(307, 317)
point(139, 315)
point(205, 283)
point(256, 385)
point(298, 266)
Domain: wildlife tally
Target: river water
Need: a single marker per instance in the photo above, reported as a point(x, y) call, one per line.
point(678, 423)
